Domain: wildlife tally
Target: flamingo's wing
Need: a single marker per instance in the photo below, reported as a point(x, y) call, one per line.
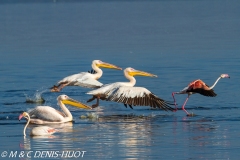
point(200, 87)
point(208, 93)
point(137, 96)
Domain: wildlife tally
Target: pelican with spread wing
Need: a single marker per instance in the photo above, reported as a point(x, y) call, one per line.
point(126, 93)
point(85, 79)
point(49, 115)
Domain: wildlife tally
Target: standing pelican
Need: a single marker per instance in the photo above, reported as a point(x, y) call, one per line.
point(46, 114)
point(36, 131)
point(125, 92)
point(85, 79)
point(198, 86)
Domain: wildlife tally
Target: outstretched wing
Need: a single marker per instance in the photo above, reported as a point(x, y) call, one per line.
point(88, 82)
point(200, 87)
point(83, 79)
point(72, 78)
point(137, 96)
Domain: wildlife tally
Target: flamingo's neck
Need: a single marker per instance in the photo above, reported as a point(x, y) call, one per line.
point(215, 83)
point(28, 120)
point(98, 73)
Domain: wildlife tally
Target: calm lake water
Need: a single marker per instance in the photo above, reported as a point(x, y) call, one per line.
point(180, 41)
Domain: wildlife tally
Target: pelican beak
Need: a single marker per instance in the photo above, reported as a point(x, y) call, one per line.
point(108, 65)
point(75, 103)
point(141, 73)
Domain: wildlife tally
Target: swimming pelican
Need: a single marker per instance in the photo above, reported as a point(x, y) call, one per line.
point(36, 131)
point(198, 86)
point(46, 114)
point(85, 79)
point(125, 92)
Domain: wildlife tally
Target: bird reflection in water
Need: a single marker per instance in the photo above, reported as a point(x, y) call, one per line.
point(44, 140)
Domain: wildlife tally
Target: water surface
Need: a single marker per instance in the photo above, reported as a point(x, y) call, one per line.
point(180, 41)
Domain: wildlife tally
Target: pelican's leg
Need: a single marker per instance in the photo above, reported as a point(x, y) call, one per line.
point(59, 87)
point(130, 106)
point(97, 104)
point(125, 105)
point(174, 100)
point(62, 85)
point(55, 89)
point(91, 99)
point(184, 106)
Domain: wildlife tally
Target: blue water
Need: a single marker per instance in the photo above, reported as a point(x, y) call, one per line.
point(180, 41)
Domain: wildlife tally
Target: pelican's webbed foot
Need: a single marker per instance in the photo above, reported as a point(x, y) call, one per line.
point(94, 105)
point(97, 104)
point(55, 89)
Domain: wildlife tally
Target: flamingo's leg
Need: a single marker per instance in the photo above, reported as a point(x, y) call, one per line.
point(174, 101)
point(184, 106)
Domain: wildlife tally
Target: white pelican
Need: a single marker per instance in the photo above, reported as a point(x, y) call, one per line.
point(85, 79)
point(124, 92)
point(36, 131)
point(46, 114)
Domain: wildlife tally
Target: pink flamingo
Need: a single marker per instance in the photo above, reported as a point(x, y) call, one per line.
point(198, 86)
point(36, 131)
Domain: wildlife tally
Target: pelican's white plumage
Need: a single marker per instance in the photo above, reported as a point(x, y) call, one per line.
point(47, 114)
point(85, 79)
point(125, 92)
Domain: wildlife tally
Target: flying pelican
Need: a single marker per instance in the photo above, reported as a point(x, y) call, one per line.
point(85, 79)
point(46, 114)
point(198, 86)
point(126, 93)
point(36, 131)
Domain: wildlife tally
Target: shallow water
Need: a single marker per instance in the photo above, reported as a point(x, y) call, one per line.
point(179, 41)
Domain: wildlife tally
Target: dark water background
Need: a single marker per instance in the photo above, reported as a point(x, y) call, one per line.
point(180, 41)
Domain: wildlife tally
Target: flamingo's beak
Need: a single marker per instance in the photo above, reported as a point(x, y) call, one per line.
point(20, 117)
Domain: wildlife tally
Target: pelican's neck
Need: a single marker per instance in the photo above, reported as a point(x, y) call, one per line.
point(131, 79)
point(65, 110)
point(28, 120)
point(98, 73)
point(215, 83)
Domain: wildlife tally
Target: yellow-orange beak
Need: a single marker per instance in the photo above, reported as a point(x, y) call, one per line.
point(75, 103)
point(141, 73)
point(108, 65)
